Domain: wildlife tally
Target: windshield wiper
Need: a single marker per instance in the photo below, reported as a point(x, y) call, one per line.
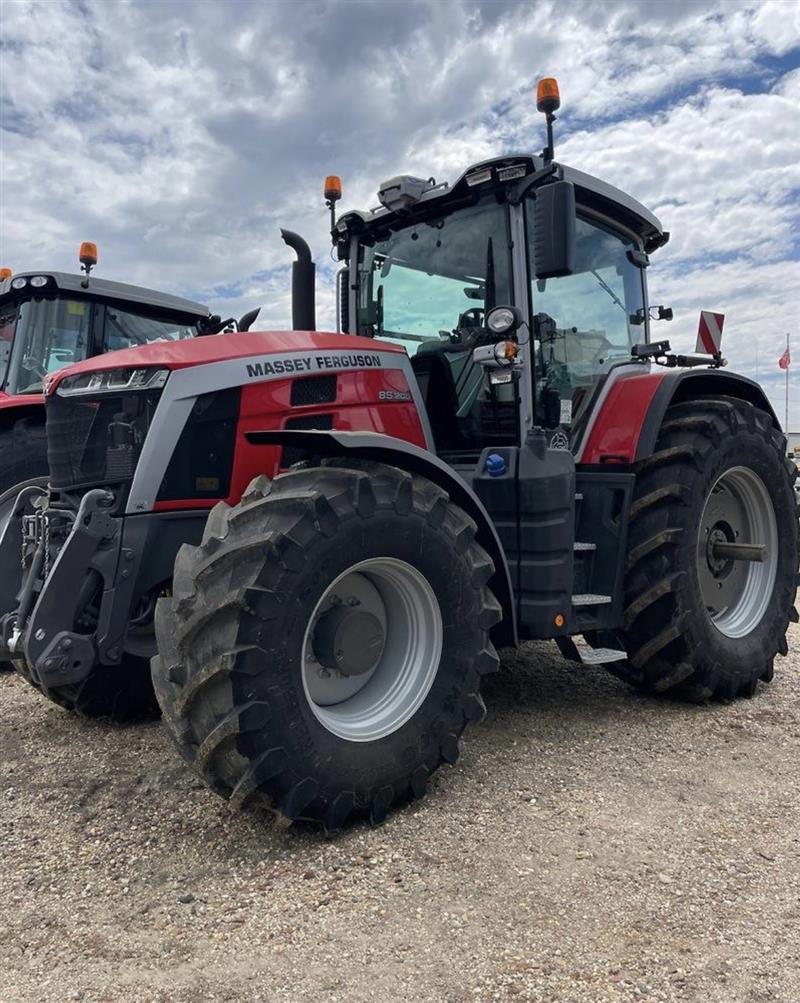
point(610, 291)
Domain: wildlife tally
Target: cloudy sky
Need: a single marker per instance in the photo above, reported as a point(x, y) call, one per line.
point(181, 135)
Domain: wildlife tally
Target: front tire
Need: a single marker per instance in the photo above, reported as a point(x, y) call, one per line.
point(696, 624)
point(250, 642)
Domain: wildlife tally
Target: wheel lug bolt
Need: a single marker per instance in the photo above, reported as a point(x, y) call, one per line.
point(323, 673)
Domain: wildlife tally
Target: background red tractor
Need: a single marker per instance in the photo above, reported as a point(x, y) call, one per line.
point(49, 320)
point(493, 449)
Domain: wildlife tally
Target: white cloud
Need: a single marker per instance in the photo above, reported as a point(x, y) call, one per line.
point(180, 135)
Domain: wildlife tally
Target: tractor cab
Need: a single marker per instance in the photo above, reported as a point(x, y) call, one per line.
point(49, 320)
point(565, 251)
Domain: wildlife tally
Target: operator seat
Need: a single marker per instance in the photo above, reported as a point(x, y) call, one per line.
point(436, 383)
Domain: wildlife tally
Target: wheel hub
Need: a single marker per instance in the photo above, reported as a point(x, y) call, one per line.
point(737, 552)
point(371, 649)
point(720, 533)
point(348, 639)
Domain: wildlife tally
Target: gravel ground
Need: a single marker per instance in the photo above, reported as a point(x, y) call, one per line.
point(591, 845)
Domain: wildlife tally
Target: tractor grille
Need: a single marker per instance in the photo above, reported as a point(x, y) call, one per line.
point(93, 442)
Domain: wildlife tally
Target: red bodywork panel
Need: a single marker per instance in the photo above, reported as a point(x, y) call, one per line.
point(614, 437)
point(20, 400)
point(266, 406)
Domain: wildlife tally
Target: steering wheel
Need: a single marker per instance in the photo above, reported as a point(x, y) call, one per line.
point(31, 365)
point(470, 322)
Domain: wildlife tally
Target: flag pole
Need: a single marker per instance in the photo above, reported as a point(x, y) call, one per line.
point(786, 411)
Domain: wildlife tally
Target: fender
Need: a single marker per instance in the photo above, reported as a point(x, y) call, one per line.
point(632, 406)
point(682, 385)
point(385, 449)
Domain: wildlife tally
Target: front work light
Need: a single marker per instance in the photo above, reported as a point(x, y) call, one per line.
point(19, 283)
point(112, 381)
point(503, 319)
point(39, 281)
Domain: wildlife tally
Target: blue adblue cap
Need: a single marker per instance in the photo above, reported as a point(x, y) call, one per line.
point(495, 465)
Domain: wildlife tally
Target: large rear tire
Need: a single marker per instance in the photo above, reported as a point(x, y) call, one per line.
point(323, 648)
point(701, 625)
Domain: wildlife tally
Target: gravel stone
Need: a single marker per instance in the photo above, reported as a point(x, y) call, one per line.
point(592, 845)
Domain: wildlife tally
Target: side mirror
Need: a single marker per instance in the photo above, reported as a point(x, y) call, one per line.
point(554, 230)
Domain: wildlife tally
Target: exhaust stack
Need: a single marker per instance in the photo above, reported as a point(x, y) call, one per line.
point(303, 307)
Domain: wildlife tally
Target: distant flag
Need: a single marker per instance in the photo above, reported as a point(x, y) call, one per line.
point(709, 332)
point(785, 360)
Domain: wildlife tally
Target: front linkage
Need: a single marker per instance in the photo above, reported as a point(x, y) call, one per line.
point(76, 573)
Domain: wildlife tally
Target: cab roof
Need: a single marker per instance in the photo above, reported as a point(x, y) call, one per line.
point(106, 289)
point(591, 192)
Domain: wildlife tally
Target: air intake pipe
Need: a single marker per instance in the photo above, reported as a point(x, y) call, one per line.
point(303, 308)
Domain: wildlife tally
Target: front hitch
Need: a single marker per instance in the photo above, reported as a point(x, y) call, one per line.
point(55, 652)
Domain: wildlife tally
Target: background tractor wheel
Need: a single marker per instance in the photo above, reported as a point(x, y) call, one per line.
point(323, 648)
point(23, 452)
point(7, 500)
point(121, 693)
point(699, 621)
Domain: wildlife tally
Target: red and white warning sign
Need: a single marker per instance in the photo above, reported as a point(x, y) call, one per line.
point(709, 333)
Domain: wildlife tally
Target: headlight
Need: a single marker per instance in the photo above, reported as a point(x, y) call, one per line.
point(503, 319)
point(39, 280)
point(112, 381)
point(19, 283)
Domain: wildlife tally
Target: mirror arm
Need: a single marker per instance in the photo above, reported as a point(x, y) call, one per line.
point(518, 191)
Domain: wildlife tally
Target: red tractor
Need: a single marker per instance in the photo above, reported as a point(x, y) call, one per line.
point(323, 538)
point(49, 320)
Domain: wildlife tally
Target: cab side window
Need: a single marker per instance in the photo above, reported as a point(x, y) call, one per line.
point(586, 321)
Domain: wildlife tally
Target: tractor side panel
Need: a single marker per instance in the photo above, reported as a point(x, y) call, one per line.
point(617, 426)
point(353, 401)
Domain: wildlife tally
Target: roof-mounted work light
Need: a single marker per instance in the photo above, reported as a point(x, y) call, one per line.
point(548, 100)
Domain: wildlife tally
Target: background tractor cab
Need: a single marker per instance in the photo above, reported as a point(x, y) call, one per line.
point(49, 320)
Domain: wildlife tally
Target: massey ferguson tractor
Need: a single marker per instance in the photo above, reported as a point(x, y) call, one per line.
point(49, 320)
point(323, 538)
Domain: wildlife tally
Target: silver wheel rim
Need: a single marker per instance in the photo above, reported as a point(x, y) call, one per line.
point(404, 632)
point(736, 594)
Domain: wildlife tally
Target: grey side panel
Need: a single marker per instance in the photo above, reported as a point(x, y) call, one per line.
point(384, 448)
point(185, 385)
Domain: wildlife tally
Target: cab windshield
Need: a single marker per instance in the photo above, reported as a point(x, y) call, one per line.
point(429, 287)
point(39, 336)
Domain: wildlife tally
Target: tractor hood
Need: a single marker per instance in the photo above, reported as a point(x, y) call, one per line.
point(222, 347)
